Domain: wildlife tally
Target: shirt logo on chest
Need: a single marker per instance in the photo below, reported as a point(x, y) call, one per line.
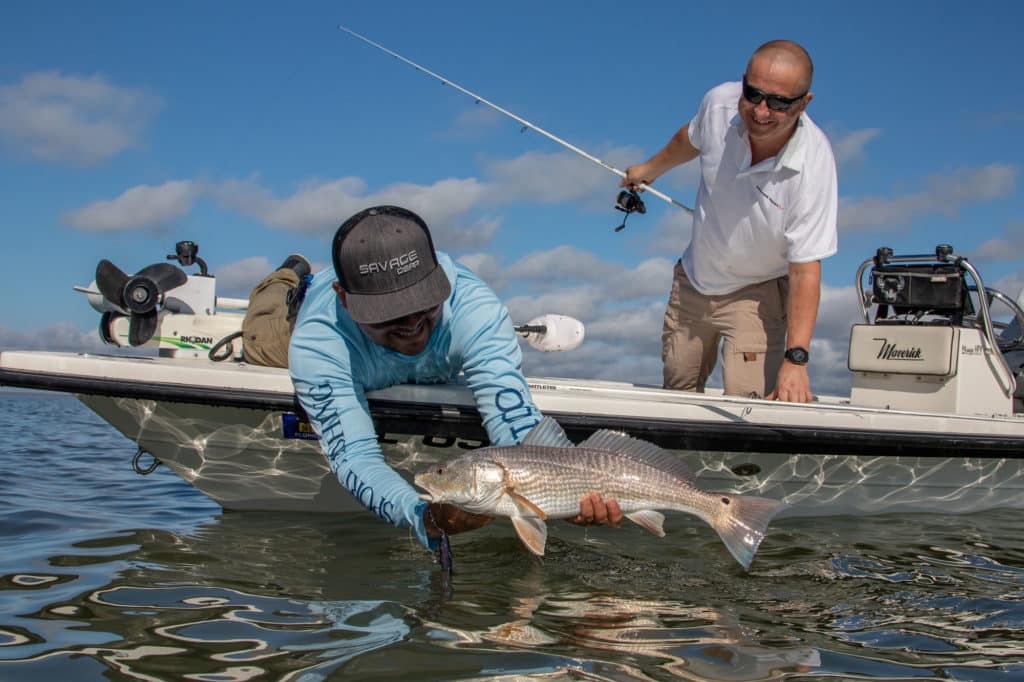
point(765, 195)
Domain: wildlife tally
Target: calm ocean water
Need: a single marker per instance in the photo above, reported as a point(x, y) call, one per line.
point(105, 574)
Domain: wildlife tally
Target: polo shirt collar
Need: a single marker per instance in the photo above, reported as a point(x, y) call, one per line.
point(790, 157)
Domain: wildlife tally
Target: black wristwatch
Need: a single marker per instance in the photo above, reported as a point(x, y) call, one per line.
point(797, 355)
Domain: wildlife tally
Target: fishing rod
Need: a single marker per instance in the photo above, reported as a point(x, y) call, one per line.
point(627, 201)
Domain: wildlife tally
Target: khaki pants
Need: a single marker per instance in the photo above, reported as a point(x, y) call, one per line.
point(267, 329)
point(751, 323)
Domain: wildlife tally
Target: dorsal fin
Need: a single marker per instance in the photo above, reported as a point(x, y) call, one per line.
point(548, 434)
point(640, 450)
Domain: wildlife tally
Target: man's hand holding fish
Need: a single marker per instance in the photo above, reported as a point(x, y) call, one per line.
point(447, 518)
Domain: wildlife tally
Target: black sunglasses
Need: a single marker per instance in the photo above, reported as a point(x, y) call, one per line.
point(775, 102)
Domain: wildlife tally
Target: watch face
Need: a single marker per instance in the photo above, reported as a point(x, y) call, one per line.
point(798, 356)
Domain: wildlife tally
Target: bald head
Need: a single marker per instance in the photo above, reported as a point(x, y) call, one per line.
point(789, 53)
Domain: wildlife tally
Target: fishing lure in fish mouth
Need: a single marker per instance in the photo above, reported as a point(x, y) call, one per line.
point(632, 198)
point(546, 476)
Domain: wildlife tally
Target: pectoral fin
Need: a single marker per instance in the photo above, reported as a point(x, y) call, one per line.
point(526, 507)
point(529, 523)
point(532, 531)
point(649, 519)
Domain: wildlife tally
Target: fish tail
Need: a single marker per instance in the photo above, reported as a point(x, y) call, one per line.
point(743, 526)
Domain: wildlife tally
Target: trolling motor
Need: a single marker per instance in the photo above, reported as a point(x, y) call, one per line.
point(163, 307)
point(628, 202)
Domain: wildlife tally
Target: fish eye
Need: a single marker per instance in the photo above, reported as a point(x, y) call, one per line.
point(440, 470)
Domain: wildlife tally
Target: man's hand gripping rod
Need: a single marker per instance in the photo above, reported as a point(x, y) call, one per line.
point(523, 121)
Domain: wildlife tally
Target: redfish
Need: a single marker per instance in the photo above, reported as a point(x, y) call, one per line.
point(546, 476)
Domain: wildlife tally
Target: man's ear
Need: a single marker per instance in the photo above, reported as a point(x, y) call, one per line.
point(341, 294)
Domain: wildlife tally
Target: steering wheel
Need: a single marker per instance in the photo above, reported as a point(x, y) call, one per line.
point(1009, 335)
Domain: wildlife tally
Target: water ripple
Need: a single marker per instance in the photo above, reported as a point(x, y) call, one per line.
point(143, 578)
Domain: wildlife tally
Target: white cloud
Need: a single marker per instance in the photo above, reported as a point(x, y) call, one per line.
point(443, 205)
point(639, 324)
point(594, 360)
point(671, 234)
point(1006, 247)
point(563, 263)
point(556, 177)
point(652, 277)
point(945, 194)
point(143, 206)
point(473, 122)
point(1011, 285)
point(582, 302)
point(238, 278)
point(544, 270)
point(848, 147)
point(314, 207)
point(61, 336)
point(487, 267)
point(837, 310)
point(319, 207)
point(545, 178)
point(75, 119)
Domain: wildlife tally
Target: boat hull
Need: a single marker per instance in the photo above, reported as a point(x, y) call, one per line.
point(221, 427)
point(239, 458)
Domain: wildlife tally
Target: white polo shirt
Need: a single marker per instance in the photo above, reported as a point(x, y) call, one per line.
point(750, 223)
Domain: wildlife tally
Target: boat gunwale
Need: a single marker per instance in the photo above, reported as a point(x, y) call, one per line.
point(450, 420)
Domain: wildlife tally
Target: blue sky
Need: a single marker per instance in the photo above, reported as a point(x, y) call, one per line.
point(254, 129)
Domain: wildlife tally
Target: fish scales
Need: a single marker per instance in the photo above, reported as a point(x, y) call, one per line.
point(555, 479)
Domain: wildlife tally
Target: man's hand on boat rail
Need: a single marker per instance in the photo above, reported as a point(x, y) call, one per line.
point(793, 384)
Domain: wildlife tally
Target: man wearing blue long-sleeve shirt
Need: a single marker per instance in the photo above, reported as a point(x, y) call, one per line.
point(396, 311)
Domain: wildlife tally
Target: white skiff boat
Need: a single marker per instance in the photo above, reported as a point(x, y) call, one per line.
point(930, 424)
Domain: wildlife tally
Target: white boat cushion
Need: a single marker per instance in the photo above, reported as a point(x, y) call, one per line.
point(904, 349)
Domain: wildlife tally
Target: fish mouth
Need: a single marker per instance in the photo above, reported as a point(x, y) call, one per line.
point(430, 495)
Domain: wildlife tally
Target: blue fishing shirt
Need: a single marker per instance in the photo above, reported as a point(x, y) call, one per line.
point(333, 365)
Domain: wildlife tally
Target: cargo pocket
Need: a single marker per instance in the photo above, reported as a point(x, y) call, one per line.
point(747, 343)
point(782, 290)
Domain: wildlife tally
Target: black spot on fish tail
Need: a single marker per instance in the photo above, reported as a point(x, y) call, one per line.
point(745, 524)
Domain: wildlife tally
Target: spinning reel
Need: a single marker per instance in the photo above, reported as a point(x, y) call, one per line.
point(628, 202)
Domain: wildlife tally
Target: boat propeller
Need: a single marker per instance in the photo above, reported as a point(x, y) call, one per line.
point(138, 295)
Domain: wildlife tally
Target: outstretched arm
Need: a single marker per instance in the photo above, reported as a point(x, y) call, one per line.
point(678, 151)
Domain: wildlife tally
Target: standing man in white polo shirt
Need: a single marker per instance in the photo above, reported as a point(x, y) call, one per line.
point(764, 219)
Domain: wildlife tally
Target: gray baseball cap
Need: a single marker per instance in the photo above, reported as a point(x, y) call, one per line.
point(385, 261)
